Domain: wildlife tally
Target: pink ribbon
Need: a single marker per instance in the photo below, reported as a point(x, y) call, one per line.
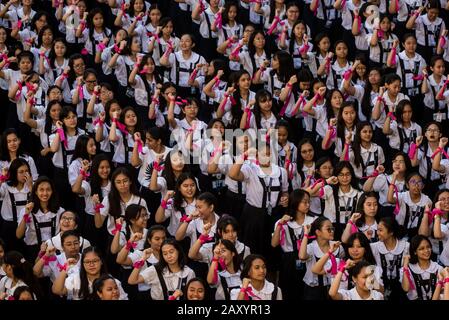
point(80, 92)
point(301, 101)
point(19, 24)
point(97, 207)
point(248, 118)
point(391, 116)
point(139, 146)
point(397, 5)
point(222, 264)
point(354, 228)
point(315, 10)
point(225, 100)
point(218, 21)
point(282, 238)
point(439, 150)
point(125, 15)
point(157, 166)
point(274, 24)
point(83, 25)
point(333, 269)
point(412, 150)
point(27, 218)
point(236, 51)
point(372, 175)
point(19, 90)
point(409, 278)
point(181, 102)
point(342, 266)
point(185, 218)
point(85, 174)
point(121, 127)
point(4, 57)
point(4, 178)
point(118, 228)
point(435, 212)
point(57, 3)
point(101, 46)
point(289, 168)
point(397, 207)
point(359, 23)
point(304, 49)
point(347, 74)
point(202, 6)
point(393, 57)
point(117, 49)
point(248, 292)
point(193, 75)
point(418, 77)
point(139, 264)
point(346, 158)
point(216, 151)
point(380, 33)
point(332, 135)
point(343, 3)
point(217, 82)
point(98, 121)
point(231, 41)
point(205, 238)
point(62, 267)
point(443, 41)
point(84, 52)
point(319, 181)
point(284, 107)
point(154, 35)
point(49, 259)
point(328, 65)
point(130, 245)
point(62, 137)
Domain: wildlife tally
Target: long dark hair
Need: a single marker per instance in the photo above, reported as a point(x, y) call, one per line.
point(357, 143)
point(231, 247)
point(364, 242)
point(341, 123)
point(13, 168)
point(115, 209)
point(339, 167)
point(4, 152)
point(261, 96)
point(48, 120)
point(299, 158)
point(53, 202)
point(132, 212)
point(81, 148)
point(95, 180)
point(414, 244)
point(360, 203)
point(295, 198)
point(236, 111)
point(367, 103)
point(23, 270)
point(178, 198)
point(182, 260)
point(168, 173)
point(52, 54)
point(41, 34)
point(248, 262)
point(84, 292)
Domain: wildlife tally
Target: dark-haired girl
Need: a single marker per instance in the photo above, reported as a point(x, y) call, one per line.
point(389, 253)
point(168, 277)
point(288, 233)
point(254, 58)
point(364, 219)
point(419, 273)
point(62, 144)
point(262, 115)
point(105, 288)
point(317, 285)
point(81, 95)
point(78, 285)
point(39, 220)
point(227, 261)
point(255, 286)
point(14, 193)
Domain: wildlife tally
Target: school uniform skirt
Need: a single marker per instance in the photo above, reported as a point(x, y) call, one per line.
point(8, 235)
point(235, 203)
point(318, 293)
point(98, 237)
point(66, 196)
point(291, 273)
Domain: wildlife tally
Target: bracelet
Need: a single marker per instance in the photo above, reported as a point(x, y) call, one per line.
point(309, 236)
point(446, 280)
point(289, 85)
point(130, 245)
point(440, 283)
point(164, 204)
point(185, 219)
point(138, 264)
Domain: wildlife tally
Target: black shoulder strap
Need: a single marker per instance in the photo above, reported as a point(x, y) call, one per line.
point(162, 282)
point(274, 294)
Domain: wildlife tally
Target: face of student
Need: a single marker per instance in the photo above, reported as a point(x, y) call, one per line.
point(170, 254)
point(292, 13)
point(44, 191)
point(229, 233)
point(130, 118)
point(394, 87)
point(47, 37)
point(300, 30)
point(109, 291)
point(356, 251)
point(217, 129)
point(258, 270)
point(138, 6)
point(152, 143)
point(247, 33)
point(155, 16)
point(71, 246)
point(92, 263)
point(191, 110)
point(135, 45)
point(226, 254)
point(264, 156)
point(307, 152)
point(349, 115)
point(98, 20)
point(71, 120)
point(3, 35)
point(91, 147)
point(361, 70)
point(304, 204)
point(114, 107)
point(444, 200)
point(399, 164)
point(410, 44)
point(415, 185)
point(383, 233)
point(177, 162)
point(2, 255)
point(13, 142)
point(79, 66)
point(327, 231)
point(91, 81)
point(205, 210)
point(55, 94)
point(432, 14)
point(259, 41)
point(242, 143)
point(341, 50)
point(67, 221)
point(122, 183)
point(282, 135)
point(326, 169)
point(439, 67)
point(265, 104)
point(232, 13)
point(370, 206)
point(141, 220)
point(41, 22)
point(374, 77)
point(344, 177)
point(22, 172)
point(186, 43)
point(26, 295)
point(245, 81)
point(324, 44)
point(424, 250)
point(195, 291)
point(433, 133)
point(360, 279)
point(157, 239)
point(168, 29)
point(407, 113)
point(385, 24)
point(366, 134)
point(104, 169)
point(336, 99)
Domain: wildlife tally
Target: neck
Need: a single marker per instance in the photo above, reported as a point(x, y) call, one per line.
point(369, 220)
point(323, 244)
point(259, 51)
point(210, 219)
point(93, 277)
point(174, 267)
point(406, 124)
point(231, 23)
point(375, 87)
point(125, 196)
point(13, 155)
point(342, 61)
point(266, 113)
point(186, 53)
point(20, 186)
point(409, 54)
point(71, 131)
point(423, 264)
point(189, 199)
point(149, 76)
point(392, 97)
point(136, 229)
point(278, 5)
point(159, 149)
point(244, 93)
point(415, 197)
point(345, 188)
point(44, 206)
point(390, 243)
point(308, 163)
point(257, 284)
point(437, 77)
point(177, 173)
point(300, 216)
point(363, 293)
point(98, 29)
point(104, 182)
point(366, 144)
point(433, 144)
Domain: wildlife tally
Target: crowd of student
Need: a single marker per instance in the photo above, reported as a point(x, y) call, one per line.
point(117, 180)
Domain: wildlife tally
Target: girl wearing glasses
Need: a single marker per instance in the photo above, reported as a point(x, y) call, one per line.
point(317, 285)
point(410, 204)
point(341, 198)
point(389, 253)
point(81, 95)
point(77, 285)
point(427, 147)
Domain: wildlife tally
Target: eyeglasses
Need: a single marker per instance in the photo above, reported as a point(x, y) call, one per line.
point(418, 183)
point(78, 66)
point(68, 218)
point(305, 201)
point(433, 130)
point(126, 181)
point(95, 261)
point(91, 81)
point(144, 216)
point(330, 229)
point(72, 244)
point(344, 174)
